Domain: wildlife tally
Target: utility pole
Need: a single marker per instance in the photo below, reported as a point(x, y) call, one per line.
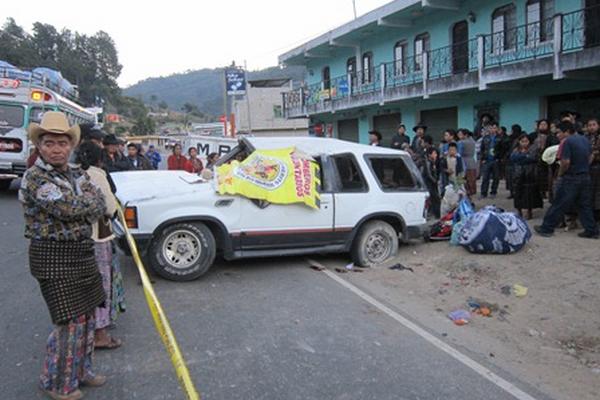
point(247, 97)
point(225, 101)
point(354, 7)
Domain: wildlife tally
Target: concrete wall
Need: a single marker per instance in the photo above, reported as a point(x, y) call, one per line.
point(262, 103)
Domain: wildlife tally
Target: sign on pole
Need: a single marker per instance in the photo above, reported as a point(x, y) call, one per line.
point(235, 80)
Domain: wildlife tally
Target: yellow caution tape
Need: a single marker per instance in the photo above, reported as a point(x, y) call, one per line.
point(160, 319)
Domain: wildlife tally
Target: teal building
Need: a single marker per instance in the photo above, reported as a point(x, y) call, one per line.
point(447, 62)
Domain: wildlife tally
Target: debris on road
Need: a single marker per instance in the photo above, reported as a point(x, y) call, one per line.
point(519, 290)
point(341, 270)
point(350, 266)
point(400, 267)
point(317, 267)
point(460, 317)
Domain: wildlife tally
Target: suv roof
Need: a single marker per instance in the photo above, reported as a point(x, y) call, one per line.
point(315, 146)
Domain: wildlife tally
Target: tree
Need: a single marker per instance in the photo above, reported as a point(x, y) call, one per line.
point(90, 62)
point(163, 105)
point(144, 126)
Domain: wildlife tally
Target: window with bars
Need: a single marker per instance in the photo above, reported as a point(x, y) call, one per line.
point(421, 46)
point(367, 67)
point(504, 25)
point(400, 50)
point(539, 27)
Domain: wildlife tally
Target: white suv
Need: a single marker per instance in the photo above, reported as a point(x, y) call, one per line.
point(371, 198)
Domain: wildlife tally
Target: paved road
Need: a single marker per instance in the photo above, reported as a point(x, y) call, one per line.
point(262, 329)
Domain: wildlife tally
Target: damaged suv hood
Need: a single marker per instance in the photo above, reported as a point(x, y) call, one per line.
point(140, 186)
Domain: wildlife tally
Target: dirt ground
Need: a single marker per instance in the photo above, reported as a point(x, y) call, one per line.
point(549, 338)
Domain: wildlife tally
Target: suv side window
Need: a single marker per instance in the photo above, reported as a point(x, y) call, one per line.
point(350, 177)
point(391, 173)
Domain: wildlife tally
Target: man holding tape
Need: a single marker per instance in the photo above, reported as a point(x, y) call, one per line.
point(60, 205)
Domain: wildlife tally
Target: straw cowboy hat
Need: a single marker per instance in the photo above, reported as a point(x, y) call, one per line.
point(53, 122)
point(549, 155)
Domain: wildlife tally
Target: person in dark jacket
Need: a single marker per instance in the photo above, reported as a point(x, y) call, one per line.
point(400, 138)
point(375, 138)
point(430, 174)
point(489, 162)
point(527, 194)
point(112, 158)
point(136, 161)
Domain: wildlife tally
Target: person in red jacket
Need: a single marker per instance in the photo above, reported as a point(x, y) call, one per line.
point(177, 161)
point(194, 165)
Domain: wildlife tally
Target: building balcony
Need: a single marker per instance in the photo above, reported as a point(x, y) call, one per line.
point(562, 46)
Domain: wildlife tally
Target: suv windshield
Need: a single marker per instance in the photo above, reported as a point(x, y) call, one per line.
point(11, 117)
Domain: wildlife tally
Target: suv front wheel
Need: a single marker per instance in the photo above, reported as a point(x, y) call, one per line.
point(376, 242)
point(183, 252)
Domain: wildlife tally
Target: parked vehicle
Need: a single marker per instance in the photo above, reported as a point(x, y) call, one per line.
point(371, 198)
point(24, 97)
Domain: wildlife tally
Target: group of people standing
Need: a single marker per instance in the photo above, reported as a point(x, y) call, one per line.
point(544, 164)
point(192, 163)
point(68, 210)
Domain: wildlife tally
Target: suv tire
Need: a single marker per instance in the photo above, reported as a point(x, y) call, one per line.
point(376, 242)
point(183, 252)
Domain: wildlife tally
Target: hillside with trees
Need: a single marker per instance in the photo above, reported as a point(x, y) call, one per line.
point(200, 88)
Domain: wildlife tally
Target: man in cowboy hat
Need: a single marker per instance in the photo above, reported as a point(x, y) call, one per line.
point(60, 205)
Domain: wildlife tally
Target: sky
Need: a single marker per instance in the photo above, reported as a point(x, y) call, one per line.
point(158, 38)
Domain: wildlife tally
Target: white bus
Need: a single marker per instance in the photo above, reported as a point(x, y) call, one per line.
point(24, 97)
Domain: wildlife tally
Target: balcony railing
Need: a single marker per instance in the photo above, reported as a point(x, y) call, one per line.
point(577, 30)
point(404, 72)
point(525, 42)
point(581, 29)
point(457, 58)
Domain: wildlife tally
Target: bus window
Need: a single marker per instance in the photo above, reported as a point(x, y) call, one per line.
point(36, 113)
point(11, 117)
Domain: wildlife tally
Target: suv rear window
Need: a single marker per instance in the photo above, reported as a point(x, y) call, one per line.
point(391, 173)
point(11, 116)
point(349, 174)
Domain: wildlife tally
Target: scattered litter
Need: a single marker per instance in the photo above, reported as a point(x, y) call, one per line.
point(401, 267)
point(444, 334)
point(341, 270)
point(317, 267)
point(506, 290)
point(19, 364)
point(533, 333)
point(350, 266)
point(377, 343)
point(519, 290)
point(502, 315)
point(484, 311)
point(460, 317)
point(492, 355)
point(442, 291)
point(358, 270)
point(485, 308)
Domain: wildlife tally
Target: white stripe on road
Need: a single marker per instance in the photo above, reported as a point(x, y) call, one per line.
point(474, 365)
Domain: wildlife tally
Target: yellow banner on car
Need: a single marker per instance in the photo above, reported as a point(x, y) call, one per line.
point(281, 176)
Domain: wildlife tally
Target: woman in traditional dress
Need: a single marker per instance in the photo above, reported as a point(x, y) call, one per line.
point(89, 157)
point(526, 189)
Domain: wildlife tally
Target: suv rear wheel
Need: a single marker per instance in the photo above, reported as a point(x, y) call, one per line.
point(183, 252)
point(376, 242)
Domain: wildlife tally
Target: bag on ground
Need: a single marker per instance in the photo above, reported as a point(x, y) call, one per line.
point(493, 231)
